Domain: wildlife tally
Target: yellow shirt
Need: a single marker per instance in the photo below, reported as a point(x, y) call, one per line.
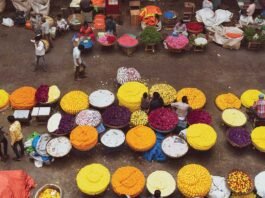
point(15, 132)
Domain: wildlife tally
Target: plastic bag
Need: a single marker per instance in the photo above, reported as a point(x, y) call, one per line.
point(8, 22)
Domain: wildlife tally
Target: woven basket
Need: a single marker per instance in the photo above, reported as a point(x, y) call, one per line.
point(52, 186)
point(80, 17)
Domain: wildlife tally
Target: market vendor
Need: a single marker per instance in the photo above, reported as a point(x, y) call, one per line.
point(259, 107)
point(180, 28)
point(156, 102)
point(110, 25)
point(247, 18)
point(86, 31)
point(145, 102)
point(62, 24)
point(79, 64)
point(182, 108)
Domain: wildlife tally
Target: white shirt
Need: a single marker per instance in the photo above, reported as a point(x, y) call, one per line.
point(39, 49)
point(61, 23)
point(207, 4)
point(77, 56)
point(45, 28)
point(182, 109)
point(251, 9)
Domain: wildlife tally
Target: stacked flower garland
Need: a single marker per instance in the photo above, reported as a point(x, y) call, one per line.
point(23, 98)
point(139, 118)
point(141, 138)
point(128, 180)
point(194, 180)
point(177, 42)
point(166, 91)
point(239, 182)
point(258, 138)
point(4, 99)
point(226, 101)
point(130, 95)
point(239, 136)
point(249, 97)
point(47, 94)
point(74, 101)
point(196, 98)
point(234, 117)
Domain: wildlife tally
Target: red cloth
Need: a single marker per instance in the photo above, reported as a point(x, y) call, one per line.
point(87, 32)
point(15, 184)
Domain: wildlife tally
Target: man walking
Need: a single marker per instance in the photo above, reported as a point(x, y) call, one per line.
point(3, 141)
point(16, 137)
point(78, 63)
point(39, 52)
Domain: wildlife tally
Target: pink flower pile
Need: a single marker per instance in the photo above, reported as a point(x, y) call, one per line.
point(177, 42)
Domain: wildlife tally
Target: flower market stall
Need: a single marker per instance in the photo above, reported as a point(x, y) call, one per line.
point(176, 43)
point(258, 138)
point(249, 97)
point(113, 139)
point(174, 146)
point(196, 98)
point(101, 98)
point(234, 117)
point(166, 91)
point(227, 100)
point(23, 98)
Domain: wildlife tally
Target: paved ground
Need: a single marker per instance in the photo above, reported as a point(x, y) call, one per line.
point(216, 71)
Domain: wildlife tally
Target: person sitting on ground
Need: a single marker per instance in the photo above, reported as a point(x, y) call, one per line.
point(3, 141)
point(207, 4)
point(259, 107)
point(110, 25)
point(182, 108)
point(156, 102)
point(79, 63)
point(87, 31)
point(180, 28)
point(62, 24)
point(157, 194)
point(45, 29)
point(247, 17)
point(145, 102)
point(16, 136)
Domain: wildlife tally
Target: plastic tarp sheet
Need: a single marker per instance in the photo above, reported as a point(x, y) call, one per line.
point(211, 18)
point(15, 184)
point(2, 5)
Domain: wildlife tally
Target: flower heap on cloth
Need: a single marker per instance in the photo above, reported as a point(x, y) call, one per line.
point(249, 97)
point(116, 116)
point(226, 101)
point(199, 116)
point(128, 180)
point(219, 188)
point(259, 183)
point(74, 101)
point(234, 117)
point(127, 74)
point(239, 136)
point(177, 42)
point(23, 98)
point(128, 41)
point(106, 39)
point(258, 138)
point(163, 119)
point(93, 179)
point(88, 118)
point(4, 99)
point(84, 138)
point(166, 91)
point(163, 181)
point(101, 98)
point(130, 95)
point(174, 146)
point(49, 193)
point(59, 147)
point(194, 180)
point(113, 138)
point(239, 182)
point(139, 118)
point(196, 98)
point(141, 138)
point(201, 137)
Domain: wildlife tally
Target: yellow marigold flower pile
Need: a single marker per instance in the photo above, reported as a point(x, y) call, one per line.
point(258, 138)
point(228, 100)
point(128, 180)
point(194, 180)
point(201, 136)
point(196, 98)
point(234, 117)
point(4, 99)
point(54, 94)
point(139, 118)
point(249, 97)
point(74, 101)
point(239, 182)
point(49, 193)
point(130, 95)
point(166, 91)
point(93, 179)
point(141, 138)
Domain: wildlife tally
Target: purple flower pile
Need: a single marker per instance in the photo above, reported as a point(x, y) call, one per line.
point(239, 136)
point(199, 116)
point(116, 116)
point(42, 94)
point(163, 119)
point(66, 124)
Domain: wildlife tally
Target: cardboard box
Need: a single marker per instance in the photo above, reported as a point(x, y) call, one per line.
point(135, 19)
